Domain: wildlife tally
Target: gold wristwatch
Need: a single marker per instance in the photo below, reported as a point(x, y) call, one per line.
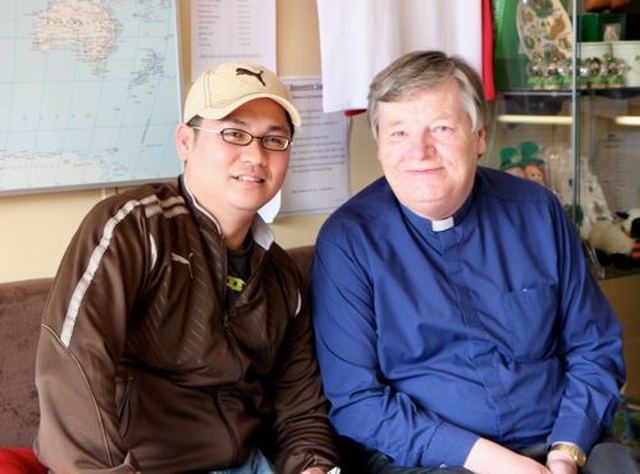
point(572, 450)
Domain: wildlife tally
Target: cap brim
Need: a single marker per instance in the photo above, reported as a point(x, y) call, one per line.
point(222, 112)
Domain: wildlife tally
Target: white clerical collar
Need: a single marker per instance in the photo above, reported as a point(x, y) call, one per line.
point(444, 224)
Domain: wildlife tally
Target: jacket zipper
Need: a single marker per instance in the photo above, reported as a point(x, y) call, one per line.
point(233, 440)
point(225, 322)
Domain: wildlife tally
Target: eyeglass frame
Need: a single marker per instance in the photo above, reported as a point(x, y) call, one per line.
point(250, 136)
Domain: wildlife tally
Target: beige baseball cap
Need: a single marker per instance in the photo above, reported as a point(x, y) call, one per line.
point(222, 89)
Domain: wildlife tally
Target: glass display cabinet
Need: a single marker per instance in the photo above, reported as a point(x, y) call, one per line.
point(567, 114)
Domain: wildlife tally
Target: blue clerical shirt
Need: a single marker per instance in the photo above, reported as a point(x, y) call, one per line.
point(489, 324)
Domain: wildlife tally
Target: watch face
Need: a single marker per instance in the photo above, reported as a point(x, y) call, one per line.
point(572, 450)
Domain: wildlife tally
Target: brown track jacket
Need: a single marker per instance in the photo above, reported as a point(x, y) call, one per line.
point(139, 365)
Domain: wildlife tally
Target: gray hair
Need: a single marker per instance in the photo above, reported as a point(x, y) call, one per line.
point(423, 69)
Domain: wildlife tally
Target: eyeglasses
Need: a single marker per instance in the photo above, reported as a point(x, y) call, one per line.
point(239, 137)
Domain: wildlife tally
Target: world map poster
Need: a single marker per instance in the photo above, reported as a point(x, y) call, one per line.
point(90, 93)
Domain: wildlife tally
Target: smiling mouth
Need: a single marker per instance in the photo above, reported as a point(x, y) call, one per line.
point(249, 179)
point(424, 171)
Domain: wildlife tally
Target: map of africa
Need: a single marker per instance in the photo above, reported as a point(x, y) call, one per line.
point(90, 93)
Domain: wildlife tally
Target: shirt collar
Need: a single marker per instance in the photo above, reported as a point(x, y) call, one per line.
point(441, 225)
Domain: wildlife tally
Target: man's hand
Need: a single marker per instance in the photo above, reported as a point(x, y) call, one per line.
point(561, 463)
point(487, 457)
point(313, 470)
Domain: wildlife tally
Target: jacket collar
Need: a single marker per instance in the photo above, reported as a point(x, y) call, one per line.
point(260, 230)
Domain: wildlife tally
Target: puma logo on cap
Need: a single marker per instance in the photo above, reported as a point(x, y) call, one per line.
point(248, 72)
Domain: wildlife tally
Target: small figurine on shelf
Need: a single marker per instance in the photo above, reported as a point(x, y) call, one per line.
point(510, 161)
point(533, 170)
point(553, 78)
point(615, 69)
point(536, 71)
point(565, 70)
point(597, 73)
point(532, 162)
point(584, 73)
point(524, 162)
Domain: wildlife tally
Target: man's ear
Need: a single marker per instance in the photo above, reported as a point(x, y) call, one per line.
point(482, 141)
point(184, 141)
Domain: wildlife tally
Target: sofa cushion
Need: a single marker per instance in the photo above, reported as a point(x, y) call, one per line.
point(303, 256)
point(20, 461)
point(21, 305)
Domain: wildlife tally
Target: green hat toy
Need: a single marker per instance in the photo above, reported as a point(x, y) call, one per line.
point(531, 154)
point(509, 158)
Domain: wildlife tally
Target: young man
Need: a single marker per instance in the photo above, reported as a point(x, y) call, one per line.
point(457, 325)
point(176, 337)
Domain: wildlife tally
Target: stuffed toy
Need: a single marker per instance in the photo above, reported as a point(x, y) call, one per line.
point(524, 162)
point(631, 227)
point(618, 243)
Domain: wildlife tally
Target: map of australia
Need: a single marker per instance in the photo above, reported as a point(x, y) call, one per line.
point(81, 24)
point(91, 94)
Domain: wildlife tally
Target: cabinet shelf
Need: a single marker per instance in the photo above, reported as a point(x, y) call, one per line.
point(562, 95)
point(618, 93)
point(534, 102)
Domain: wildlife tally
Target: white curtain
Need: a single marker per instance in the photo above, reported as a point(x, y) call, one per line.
point(358, 38)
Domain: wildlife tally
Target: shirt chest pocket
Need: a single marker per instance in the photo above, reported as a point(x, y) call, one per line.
point(530, 321)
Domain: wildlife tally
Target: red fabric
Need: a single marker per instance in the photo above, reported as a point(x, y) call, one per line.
point(487, 51)
point(20, 461)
